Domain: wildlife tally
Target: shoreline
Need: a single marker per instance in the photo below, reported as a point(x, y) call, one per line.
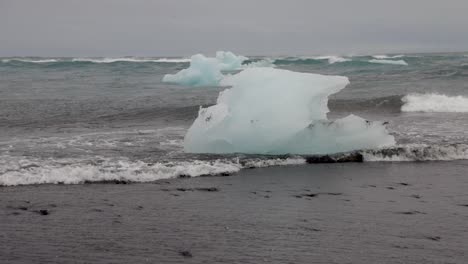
point(321, 213)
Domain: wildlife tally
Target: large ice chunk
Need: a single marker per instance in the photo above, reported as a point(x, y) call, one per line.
point(205, 71)
point(274, 111)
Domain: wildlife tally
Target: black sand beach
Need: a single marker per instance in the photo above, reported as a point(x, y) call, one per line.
point(338, 213)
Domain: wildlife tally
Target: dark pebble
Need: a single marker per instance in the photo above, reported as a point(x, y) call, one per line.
point(43, 212)
point(209, 189)
point(183, 189)
point(186, 253)
point(433, 238)
point(411, 212)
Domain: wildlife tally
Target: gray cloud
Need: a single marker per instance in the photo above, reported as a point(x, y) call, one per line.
point(263, 27)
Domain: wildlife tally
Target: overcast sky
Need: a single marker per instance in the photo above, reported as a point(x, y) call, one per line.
point(250, 27)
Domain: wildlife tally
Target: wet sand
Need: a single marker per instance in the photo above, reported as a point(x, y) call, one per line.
point(322, 213)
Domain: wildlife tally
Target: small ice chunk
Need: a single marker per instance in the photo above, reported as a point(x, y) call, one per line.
point(205, 71)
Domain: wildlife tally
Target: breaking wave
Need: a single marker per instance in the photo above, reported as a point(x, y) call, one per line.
point(393, 62)
point(332, 59)
point(434, 103)
point(112, 60)
point(417, 152)
point(28, 172)
point(310, 60)
point(381, 57)
point(97, 60)
point(30, 60)
point(25, 172)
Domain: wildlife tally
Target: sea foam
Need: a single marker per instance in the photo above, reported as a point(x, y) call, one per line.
point(434, 103)
point(273, 111)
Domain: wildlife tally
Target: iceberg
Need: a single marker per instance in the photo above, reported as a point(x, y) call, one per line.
point(275, 111)
point(205, 71)
point(228, 61)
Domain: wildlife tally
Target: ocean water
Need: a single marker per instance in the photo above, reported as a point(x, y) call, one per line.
point(75, 120)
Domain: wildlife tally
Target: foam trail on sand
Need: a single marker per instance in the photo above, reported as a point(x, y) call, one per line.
point(434, 103)
point(394, 62)
point(273, 111)
point(205, 71)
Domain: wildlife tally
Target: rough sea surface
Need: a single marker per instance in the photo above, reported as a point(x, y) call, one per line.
point(92, 168)
point(76, 120)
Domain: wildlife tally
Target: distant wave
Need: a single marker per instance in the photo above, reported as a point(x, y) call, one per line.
point(30, 60)
point(309, 60)
point(382, 57)
point(97, 60)
point(434, 103)
point(112, 60)
point(258, 63)
point(394, 62)
point(332, 59)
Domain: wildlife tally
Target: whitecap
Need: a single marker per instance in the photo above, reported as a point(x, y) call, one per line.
point(332, 59)
point(394, 62)
point(381, 57)
point(434, 103)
